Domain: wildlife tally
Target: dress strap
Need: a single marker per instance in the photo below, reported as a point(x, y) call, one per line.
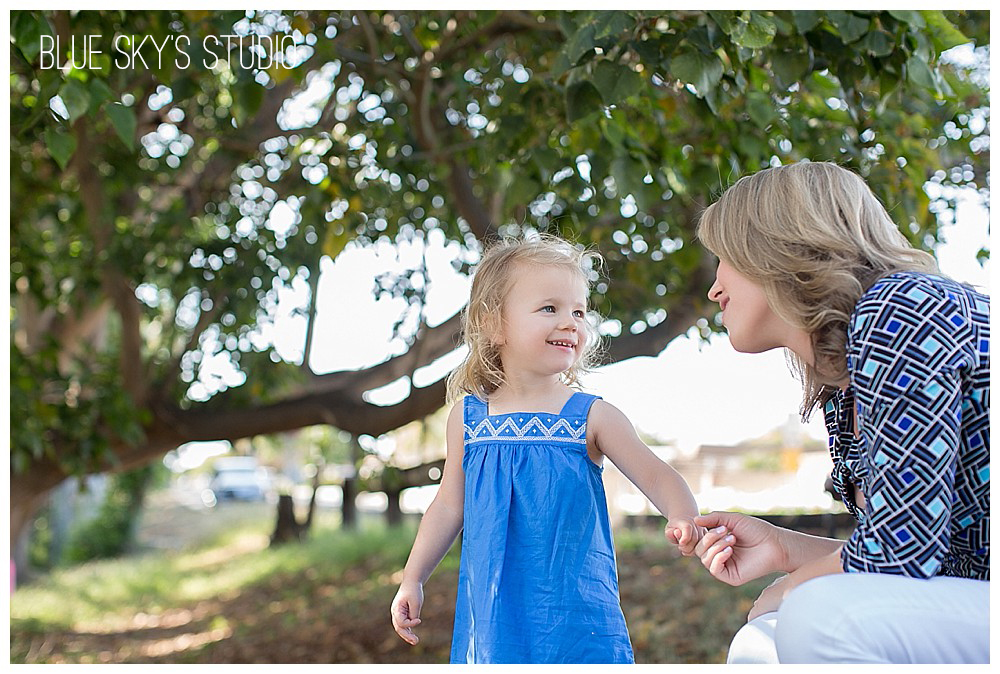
point(578, 405)
point(474, 410)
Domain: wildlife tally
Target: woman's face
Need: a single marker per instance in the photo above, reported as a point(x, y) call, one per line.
point(752, 325)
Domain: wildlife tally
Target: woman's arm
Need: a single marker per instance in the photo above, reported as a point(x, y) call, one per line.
point(739, 548)
point(772, 596)
point(908, 344)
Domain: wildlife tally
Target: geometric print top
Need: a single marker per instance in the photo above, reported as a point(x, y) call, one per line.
point(918, 356)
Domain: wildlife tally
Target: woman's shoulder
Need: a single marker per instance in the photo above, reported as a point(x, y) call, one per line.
point(916, 286)
point(916, 296)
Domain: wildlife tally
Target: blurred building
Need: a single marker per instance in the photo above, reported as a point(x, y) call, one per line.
point(782, 471)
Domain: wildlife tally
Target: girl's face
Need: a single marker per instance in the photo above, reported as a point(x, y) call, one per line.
point(544, 321)
point(752, 325)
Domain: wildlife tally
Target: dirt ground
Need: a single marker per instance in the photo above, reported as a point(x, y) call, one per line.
point(675, 613)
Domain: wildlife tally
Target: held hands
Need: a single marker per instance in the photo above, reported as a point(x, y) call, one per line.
point(739, 548)
point(405, 611)
point(684, 533)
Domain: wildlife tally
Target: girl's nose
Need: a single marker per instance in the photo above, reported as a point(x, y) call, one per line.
point(567, 322)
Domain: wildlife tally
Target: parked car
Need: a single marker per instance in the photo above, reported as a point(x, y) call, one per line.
point(238, 478)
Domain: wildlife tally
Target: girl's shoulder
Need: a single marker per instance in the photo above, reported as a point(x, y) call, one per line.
point(605, 415)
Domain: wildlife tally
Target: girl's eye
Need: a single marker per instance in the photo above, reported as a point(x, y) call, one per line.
point(578, 314)
point(549, 308)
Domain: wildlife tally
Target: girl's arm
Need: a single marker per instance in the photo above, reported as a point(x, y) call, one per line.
point(615, 437)
point(438, 529)
point(443, 519)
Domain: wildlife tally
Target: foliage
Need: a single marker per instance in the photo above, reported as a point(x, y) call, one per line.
point(159, 211)
point(40, 548)
point(111, 531)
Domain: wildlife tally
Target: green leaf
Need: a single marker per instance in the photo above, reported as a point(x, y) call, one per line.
point(760, 109)
point(613, 23)
point(123, 120)
point(548, 162)
point(578, 45)
point(60, 145)
point(27, 29)
point(919, 73)
point(701, 70)
point(756, 33)
point(627, 174)
point(850, 26)
point(806, 20)
point(582, 100)
point(247, 97)
point(99, 93)
point(909, 16)
point(616, 82)
point(727, 19)
point(613, 131)
point(877, 43)
point(943, 32)
point(789, 66)
point(75, 96)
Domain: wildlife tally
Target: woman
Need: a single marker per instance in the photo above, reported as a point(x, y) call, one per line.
point(897, 356)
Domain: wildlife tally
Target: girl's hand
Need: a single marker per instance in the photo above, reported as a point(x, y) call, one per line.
point(405, 611)
point(685, 534)
point(770, 599)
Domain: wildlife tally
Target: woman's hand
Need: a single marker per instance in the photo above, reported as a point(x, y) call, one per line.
point(405, 611)
point(738, 548)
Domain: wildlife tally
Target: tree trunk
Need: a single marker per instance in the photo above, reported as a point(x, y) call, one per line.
point(348, 509)
point(393, 513)
point(286, 528)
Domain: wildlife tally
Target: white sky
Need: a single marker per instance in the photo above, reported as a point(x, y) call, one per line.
point(693, 392)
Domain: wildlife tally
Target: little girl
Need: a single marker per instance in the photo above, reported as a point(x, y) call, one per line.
point(537, 580)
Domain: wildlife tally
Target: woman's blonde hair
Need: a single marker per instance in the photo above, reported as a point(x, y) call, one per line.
point(815, 237)
point(481, 373)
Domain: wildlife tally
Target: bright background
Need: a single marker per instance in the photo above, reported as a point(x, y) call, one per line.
point(694, 392)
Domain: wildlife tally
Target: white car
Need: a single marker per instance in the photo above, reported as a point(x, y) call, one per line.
point(239, 478)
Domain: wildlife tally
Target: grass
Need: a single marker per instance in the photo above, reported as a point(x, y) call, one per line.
point(230, 598)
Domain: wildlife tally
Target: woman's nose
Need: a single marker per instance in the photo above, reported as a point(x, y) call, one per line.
point(715, 291)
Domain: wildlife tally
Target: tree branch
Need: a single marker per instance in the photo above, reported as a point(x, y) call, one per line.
point(433, 343)
point(115, 284)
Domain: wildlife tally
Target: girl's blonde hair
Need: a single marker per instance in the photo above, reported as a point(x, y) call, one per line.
point(815, 237)
point(481, 373)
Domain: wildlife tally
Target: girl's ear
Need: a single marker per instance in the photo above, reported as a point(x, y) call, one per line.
point(494, 330)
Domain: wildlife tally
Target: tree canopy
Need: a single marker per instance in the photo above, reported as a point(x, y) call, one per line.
point(166, 188)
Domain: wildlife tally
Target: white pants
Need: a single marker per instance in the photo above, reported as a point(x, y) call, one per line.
point(872, 618)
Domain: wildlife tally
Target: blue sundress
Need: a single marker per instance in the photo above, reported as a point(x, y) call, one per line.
point(537, 581)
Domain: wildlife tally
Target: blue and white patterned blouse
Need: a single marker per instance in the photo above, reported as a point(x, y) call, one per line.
point(918, 355)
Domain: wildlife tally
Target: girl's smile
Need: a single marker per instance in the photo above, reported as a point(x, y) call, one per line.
point(563, 344)
point(544, 322)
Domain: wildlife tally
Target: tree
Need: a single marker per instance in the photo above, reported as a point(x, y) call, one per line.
point(166, 188)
